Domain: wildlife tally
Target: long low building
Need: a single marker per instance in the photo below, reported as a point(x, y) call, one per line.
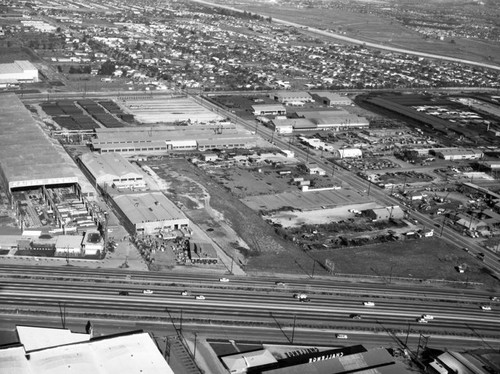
point(334, 120)
point(28, 157)
point(131, 141)
point(150, 213)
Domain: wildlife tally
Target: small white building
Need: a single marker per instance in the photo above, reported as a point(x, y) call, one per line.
point(348, 153)
point(68, 245)
point(92, 243)
point(269, 109)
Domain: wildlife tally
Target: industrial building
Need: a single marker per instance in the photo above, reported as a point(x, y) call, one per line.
point(334, 120)
point(157, 141)
point(350, 359)
point(18, 72)
point(49, 350)
point(331, 98)
point(149, 213)
point(269, 109)
point(385, 213)
point(28, 157)
point(453, 154)
point(291, 97)
point(287, 125)
point(112, 169)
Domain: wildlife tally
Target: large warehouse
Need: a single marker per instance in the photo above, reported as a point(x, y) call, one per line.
point(334, 119)
point(149, 213)
point(112, 169)
point(18, 72)
point(28, 157)
point(131, 141)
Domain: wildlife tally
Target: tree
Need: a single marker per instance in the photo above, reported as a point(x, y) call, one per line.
point(107, 68)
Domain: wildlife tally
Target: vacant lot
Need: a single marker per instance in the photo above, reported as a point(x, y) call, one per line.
point(425, 259)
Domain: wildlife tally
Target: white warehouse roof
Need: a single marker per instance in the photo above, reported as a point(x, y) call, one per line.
point(109, 165)
point(131, 353)
point(148, 207)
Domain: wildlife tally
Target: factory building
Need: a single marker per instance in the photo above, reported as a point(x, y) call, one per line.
point(112, 169)
point(29, 158)
point(334, 120)
point(150, 213)
point(134, 141)
point(18, 72)
point(331, 98)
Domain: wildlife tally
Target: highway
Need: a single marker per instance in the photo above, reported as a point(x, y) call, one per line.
point(250, 302)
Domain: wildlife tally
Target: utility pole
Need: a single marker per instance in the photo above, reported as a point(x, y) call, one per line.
point(195, 340)
point(293, 329)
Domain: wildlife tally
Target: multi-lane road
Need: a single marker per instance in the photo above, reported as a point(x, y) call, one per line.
point(248, 302)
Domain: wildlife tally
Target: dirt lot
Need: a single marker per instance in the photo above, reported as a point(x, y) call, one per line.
point(426, 259)
point(201, 196)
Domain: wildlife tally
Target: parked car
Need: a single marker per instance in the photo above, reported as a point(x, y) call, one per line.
point(422, 320)
point(427, 316)
point(184, 293)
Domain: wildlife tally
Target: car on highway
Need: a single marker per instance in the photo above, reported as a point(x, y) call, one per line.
point(355, 316)
point(147, 292)
point(223, 280)
point(305, 300)
point(422, 320)
point(427, 316)
point(466, 249)
point(184, 293)
point(123, 293)
point(280, 284)
point(341, 336)
point(485, 307)
point(200, 297)
point(368, 303)
point(495, 298)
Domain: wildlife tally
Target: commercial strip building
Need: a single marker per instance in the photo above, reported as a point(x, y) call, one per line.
point(157, 141)
point(112, 169)
point(150, 213)
point(28, 157)
point(18, 72)
point(57, 351)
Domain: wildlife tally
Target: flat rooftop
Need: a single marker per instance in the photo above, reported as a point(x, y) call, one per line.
point(28, 157)
point(148, 207)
